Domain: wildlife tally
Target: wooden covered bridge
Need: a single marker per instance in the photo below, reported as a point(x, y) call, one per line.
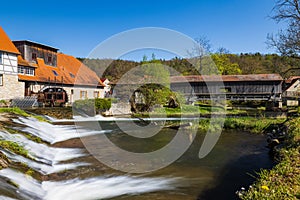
point(252, 87)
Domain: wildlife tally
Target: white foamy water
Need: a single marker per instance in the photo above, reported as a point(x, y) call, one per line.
point(100, 118)
point(42, 152)
point(6, 198)
point(87, 189)
point(42, 167)
point(54, 133)
point(44, 159)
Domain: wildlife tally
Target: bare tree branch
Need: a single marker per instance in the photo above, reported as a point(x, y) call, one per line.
point(287, 42)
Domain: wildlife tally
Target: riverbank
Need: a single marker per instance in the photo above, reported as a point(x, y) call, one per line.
point(289, 155)
point(283, 181)
point(185, 111)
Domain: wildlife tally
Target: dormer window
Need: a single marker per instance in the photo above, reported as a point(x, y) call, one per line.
point(33, 56)
point(49, 59)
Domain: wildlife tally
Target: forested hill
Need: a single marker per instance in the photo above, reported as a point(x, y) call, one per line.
point(226, 63)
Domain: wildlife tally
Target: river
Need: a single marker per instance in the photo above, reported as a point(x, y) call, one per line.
point(68, 171)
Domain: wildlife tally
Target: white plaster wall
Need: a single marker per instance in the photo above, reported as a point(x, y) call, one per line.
point(76, 91)
point(8, 63)
point(294, 87)
point(11, 87)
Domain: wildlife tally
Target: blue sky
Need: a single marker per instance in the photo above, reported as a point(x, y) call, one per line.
point(76, 27)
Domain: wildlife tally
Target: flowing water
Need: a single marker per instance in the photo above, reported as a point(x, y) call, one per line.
point(68, 171)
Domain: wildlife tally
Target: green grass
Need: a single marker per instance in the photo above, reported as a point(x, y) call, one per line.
point(14, 147)
point(14, 110)
point(252, 124)
point(28, 136)
point(283, 181)
point(20, 112)
point(188, 109)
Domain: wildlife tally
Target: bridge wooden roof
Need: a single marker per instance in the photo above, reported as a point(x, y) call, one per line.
point(226, 78)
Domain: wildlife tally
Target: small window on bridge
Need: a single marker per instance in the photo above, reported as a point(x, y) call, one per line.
point(225, 89)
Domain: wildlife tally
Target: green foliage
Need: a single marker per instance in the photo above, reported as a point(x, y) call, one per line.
point(154, 72)
point(102, 104)
point(153, 94)
point(224, 65)
point(263, 64)
point(90, 106)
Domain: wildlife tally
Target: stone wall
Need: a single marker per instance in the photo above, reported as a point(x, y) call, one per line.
point(11, 87)
point(120, 109)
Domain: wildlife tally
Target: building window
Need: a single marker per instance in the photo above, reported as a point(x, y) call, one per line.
point(1, 61)
point(83, 94)
point(49, 59)
point(20, 70)
point(33, 56)
point(26, 70)
point(1, 79)
point(96, 94)
point(29, 71)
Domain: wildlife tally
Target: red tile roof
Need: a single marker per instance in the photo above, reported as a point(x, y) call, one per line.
point(23, 62)
point(226, 78)
point(6, 44)
point(69, 70)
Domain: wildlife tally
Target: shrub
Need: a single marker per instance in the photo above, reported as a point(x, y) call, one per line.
point(90, 106)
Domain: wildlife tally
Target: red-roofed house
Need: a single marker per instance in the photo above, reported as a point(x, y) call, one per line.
point(10, 87)
point(41, 66)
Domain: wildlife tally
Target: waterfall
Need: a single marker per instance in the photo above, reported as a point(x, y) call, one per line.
point(47, 159)
point(86, 189)
point(53, 133)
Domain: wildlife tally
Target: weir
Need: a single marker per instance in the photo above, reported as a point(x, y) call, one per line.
point(46, 160)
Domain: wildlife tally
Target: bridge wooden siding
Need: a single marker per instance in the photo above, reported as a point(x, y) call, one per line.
point(258, 87)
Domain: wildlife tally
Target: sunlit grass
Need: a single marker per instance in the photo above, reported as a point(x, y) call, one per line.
point(283, 181)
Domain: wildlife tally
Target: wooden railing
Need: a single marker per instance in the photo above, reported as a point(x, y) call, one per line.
point(291, 94)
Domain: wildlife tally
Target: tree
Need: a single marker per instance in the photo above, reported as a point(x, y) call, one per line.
point(224, 65)
point(222, 50)
point(287, 42)
point(200, 54)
